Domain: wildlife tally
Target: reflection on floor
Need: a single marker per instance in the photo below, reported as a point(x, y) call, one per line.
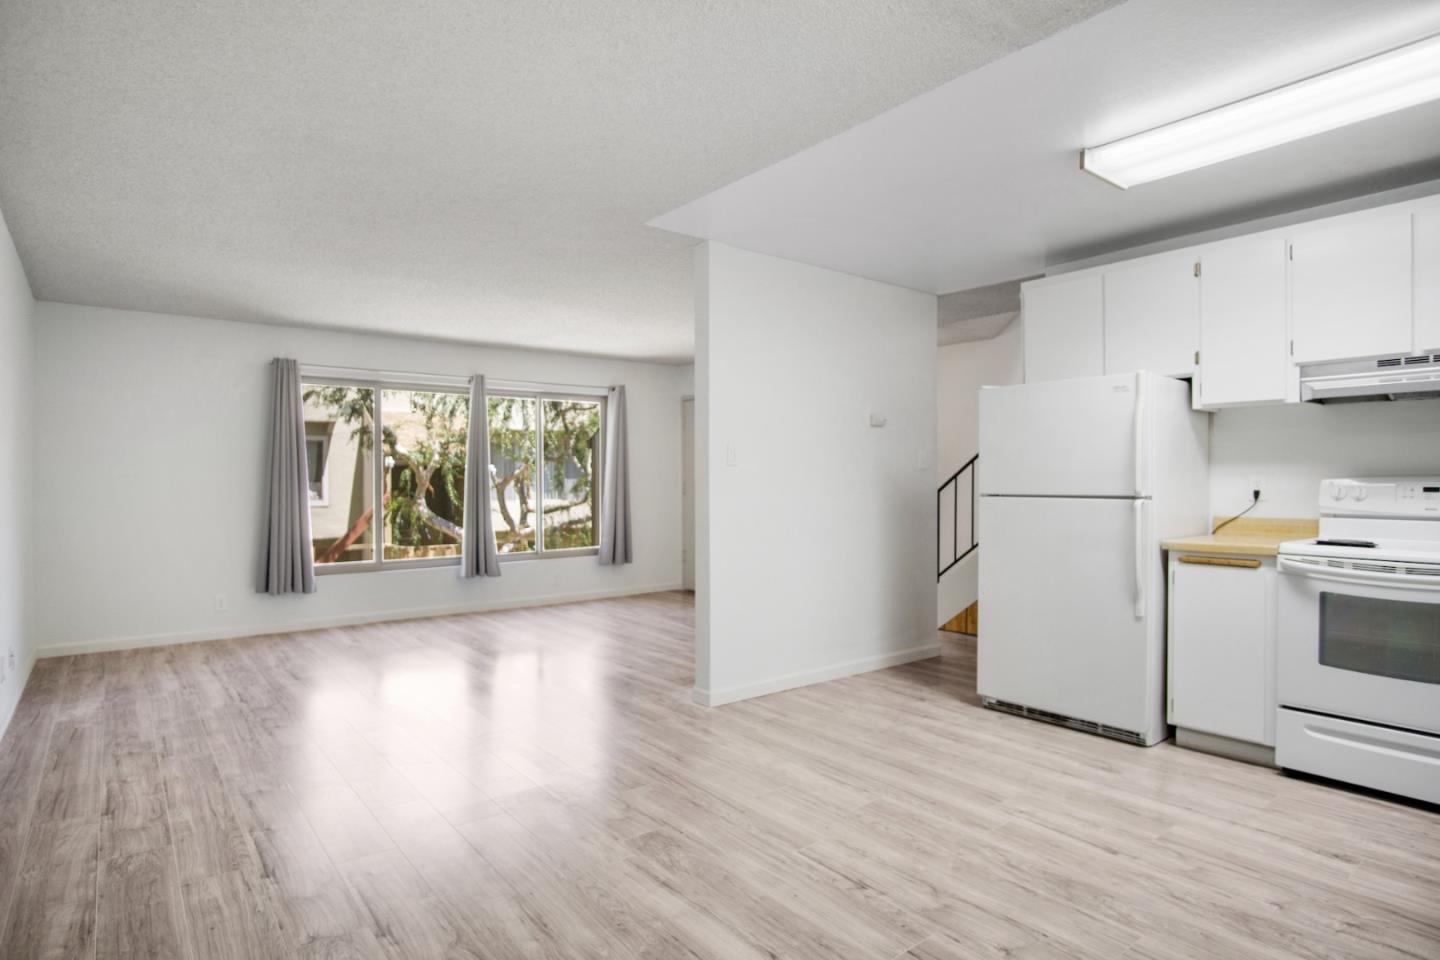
point(538, 783)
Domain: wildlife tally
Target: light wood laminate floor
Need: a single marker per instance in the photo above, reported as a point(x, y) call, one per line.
point(537, 783)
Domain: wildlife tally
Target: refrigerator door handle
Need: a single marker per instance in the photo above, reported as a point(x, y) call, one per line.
point(1139, 559)
point(1139, 434)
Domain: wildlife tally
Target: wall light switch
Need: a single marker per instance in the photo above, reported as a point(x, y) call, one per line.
point(730, 457)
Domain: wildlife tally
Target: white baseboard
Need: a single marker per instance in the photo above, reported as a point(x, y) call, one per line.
point(789, 681)
point(108, 644)
point(1256, 753)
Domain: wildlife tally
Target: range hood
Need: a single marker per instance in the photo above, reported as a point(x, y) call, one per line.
point(1415, 377)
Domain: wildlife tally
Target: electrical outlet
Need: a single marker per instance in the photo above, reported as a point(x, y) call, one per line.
point(221, 604)
point(11, 659)
point(1256, 482)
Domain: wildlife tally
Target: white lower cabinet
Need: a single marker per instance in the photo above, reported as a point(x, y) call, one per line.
point(1221, 661)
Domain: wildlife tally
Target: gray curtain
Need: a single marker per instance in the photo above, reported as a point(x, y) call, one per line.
point(615, 492)
point(478, 557)
point(287, 565)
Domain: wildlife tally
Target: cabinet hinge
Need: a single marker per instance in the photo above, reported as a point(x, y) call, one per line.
point(1172, 704)
point(1292, 348)
point(1291, 248)
point(1197, 358)
point(1197, 269)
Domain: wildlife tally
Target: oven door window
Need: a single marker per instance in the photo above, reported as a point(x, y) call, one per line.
point(1387, 638)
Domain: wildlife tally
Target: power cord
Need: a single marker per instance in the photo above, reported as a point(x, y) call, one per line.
point(1255, 498)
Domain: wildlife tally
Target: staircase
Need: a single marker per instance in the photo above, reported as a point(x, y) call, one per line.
point(957, 544)
point(966, 621)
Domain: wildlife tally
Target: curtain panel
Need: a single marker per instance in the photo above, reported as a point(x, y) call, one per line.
point(287, 565)
point(478, 556)
point(615, 493)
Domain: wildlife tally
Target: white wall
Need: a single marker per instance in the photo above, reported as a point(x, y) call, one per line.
point(816, 531)
point(1294, 446)
point(961, 370)
point(152, 429)
point(16, 472)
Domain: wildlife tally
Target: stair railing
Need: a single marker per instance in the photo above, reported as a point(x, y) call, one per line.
point(947, 559)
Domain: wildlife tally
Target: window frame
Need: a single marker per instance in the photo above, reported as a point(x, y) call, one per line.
point(377, 446)
point(377, 383)
point(540, 396)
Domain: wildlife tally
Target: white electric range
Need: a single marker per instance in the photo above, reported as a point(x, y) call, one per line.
point(1358, 671)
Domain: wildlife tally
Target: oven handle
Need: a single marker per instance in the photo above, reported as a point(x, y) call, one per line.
point(1342, 575)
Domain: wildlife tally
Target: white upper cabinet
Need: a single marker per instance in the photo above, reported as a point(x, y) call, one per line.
point(1242, 315)
point(1152, 315)
point(1243, 352)
point(1350, 288)
point(1427, 277)
point(1063, 328)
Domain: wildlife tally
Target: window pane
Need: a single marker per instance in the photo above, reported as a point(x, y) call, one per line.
point(1389, 638)
point(424, 442)
point(512, 472)
point(572, 473)
point(315, 457)
point(342, 528)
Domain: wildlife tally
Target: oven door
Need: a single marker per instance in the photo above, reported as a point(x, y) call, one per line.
point(1361, 643)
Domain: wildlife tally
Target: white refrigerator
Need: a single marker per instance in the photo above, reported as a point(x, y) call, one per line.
point(1079, 482)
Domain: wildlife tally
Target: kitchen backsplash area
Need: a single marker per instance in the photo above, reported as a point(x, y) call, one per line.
point(1289, 448)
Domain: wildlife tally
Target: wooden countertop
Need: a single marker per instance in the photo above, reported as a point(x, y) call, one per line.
point(1246, 537)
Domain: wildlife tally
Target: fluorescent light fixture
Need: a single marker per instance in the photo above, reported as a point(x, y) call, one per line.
point(1404, 77)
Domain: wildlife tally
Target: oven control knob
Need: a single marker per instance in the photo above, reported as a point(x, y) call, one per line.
point(1360, 493)
point(1338, 492)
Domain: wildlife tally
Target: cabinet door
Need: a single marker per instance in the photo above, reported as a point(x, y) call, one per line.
point(1063, 331)
point(1350, 288)
point(1243, 354)
point(1152, 316)
point(1222, 650)
point(1427, 278)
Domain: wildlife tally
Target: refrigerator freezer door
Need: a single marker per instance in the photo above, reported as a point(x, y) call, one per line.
point(1059, 592)
point(1068, 438)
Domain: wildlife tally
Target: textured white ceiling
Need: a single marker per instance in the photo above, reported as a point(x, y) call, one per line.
point(975, 328)
point(977, 302)
point(977, 182)
point(979, 313)
point(475, 170)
